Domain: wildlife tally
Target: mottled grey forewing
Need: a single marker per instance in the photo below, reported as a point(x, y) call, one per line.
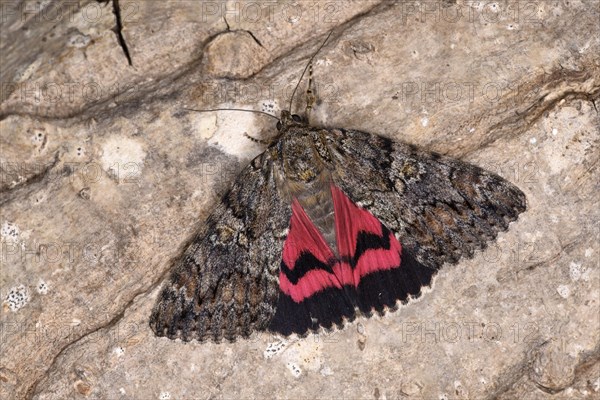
point(226, 282)
point(440, 208)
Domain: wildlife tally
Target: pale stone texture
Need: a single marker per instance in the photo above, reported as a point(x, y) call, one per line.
point(105, 176)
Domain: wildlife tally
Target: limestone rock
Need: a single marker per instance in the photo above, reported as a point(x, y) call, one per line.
point(105, 176)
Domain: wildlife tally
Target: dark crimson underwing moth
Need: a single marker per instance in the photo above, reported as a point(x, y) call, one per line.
point(325, 225)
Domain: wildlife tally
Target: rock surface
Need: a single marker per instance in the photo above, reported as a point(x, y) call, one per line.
point(105, 176)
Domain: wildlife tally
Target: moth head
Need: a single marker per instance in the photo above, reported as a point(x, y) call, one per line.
point(288, 120)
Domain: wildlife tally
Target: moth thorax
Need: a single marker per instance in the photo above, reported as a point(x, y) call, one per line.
point(302, 162)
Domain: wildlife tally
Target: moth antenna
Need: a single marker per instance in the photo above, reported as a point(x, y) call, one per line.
point(310, 95)
point(305, 68)
point(238, 109)
point(256, 140)
point(232, 109)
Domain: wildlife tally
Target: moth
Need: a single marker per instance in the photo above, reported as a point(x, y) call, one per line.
point(324, 225)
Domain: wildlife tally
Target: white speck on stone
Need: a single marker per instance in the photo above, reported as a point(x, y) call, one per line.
point(27, 73)
point(307, 353)
point(459, 390)
point(75, 322)
point(424, 121)
point(443, 396)
point(119, 351)
point(360, 328)
point(39, 136)
point(294, 369)
point(584, 48)
point(270, 107)
point(10, 232)
point(122, 390)
point(585, 275)
point(554, 131)
point(576, 350)
point(78, 40)
point(563, 291)
point(596, 385)
point(42, 287)
point(588, 252)
point(164, 396)
point(326, 371)
point(274, 348)
point(323, 62)
point(17, 298)
point(412, 389)
point(471, 130)
point(123, 158)
point(575, 271)
point(533, 140)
